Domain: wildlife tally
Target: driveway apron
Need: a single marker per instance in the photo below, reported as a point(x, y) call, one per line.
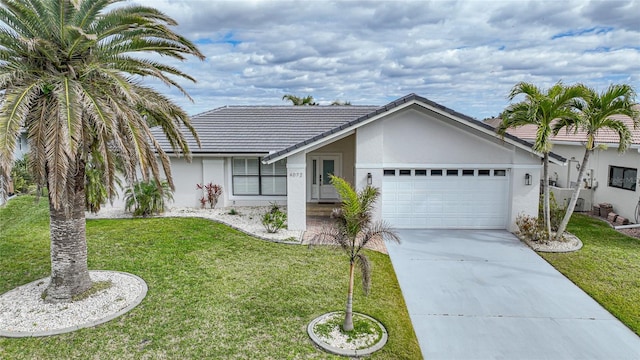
point(482, 294)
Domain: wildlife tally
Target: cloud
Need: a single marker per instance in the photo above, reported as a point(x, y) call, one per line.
point(463, 54)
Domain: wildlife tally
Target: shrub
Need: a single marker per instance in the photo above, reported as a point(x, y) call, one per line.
point(213, 192)
point(274, 219)
point(22, 180)
point(556, 211)
point(531, 228)
point(147, 197)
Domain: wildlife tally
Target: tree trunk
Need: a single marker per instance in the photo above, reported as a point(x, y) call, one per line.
point(348, 317)
point(69, 270)
point(546, 207)
point(574, 196)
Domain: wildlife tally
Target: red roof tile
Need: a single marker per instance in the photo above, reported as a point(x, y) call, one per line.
point(528, 132)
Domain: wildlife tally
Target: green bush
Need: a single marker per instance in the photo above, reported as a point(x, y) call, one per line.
point(22, 180)
point(274, 219)
point(556, 212)
point(147, 197)
point(95, 189)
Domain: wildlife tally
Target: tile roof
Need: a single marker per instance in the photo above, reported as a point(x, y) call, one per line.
point(394, 104)
point(263, 129)
point(528, 132)
point(278, 130)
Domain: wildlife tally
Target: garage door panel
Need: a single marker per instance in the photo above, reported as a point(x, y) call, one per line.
point(446, 201)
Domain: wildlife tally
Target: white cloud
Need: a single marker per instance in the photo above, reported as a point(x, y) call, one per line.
point(463, 54)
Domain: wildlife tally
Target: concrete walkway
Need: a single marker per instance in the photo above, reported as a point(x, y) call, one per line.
point(485, 295)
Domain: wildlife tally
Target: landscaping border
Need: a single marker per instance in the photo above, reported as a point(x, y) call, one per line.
point(346, 352)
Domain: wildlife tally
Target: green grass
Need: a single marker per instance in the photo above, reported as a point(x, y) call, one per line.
point(214, 292)
point(607, 267)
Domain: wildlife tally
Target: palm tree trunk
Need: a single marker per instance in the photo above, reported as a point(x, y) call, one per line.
point(348, 317)
point(69, 270)
point(546, 206)
point(574, 196)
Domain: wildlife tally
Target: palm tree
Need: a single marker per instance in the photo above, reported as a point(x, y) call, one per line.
point(596, 113)
point(71, 73)
point(353, 230)
point(300, 101)
point(540, 108)
point(340, 103)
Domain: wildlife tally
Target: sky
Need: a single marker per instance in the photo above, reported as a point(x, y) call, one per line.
point(466, 55)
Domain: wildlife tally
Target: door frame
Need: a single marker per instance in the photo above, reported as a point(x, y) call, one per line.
point(314, 189)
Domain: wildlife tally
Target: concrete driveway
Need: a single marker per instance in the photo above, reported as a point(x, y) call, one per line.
point(485, 295)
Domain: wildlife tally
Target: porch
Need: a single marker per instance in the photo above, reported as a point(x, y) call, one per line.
point(318, 218)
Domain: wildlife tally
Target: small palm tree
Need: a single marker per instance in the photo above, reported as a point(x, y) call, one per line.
point(595, 114)
point(352, 231)
point(300, 101)
point(147, 197)
point(540, 108)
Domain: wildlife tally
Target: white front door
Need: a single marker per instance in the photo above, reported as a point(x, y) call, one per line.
point(323, 167)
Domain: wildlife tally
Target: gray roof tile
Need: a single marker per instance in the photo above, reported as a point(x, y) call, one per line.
point(278, 130)
point(264, 129)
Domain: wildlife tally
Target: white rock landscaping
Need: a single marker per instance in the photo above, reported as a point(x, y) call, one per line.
point(23, 312)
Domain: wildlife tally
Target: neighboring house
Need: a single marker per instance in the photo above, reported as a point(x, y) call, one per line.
point(610, 177)
point(22, 146)
point(436, 168)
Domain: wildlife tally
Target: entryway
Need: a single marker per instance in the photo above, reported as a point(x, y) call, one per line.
point(322, 167)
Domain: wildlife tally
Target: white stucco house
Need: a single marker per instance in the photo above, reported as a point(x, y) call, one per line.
point(610, 177)
point(436, 168)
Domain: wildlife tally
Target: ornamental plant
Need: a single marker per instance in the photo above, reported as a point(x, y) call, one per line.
point(353, 229)
point(147, 197)
point(212, 193)
point(274, 219)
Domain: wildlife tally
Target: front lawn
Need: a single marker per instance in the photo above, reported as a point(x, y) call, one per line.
point(214, 292)
point(607, 267)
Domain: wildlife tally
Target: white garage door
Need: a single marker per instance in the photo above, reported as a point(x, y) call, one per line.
point(445, 198)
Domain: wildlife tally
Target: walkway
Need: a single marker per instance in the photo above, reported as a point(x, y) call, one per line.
point(485, 295)
point(315, 224)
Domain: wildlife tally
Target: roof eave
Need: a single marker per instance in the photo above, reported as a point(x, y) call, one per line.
point(397, 105)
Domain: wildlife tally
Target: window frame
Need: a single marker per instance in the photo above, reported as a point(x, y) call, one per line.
point(613, 184)
point(261, 176)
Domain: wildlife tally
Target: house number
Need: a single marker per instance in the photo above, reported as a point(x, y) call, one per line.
point(295, 174)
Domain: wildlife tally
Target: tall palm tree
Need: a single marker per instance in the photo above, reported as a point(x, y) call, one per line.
point(540, 108)
point(595, 114)
point(300, 101)
point(71, 71)
point(353, 230)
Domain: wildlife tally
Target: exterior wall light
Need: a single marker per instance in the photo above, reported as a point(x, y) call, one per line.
point(527, 179)
point(369, 179)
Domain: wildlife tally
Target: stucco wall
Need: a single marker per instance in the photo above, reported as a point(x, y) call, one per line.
point(623, 201)
point(419, 137)
point(203, 170)
point(185, 177)
point(412, 137)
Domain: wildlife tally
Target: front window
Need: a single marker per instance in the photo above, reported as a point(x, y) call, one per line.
point(251, 177)
point(623, 178)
